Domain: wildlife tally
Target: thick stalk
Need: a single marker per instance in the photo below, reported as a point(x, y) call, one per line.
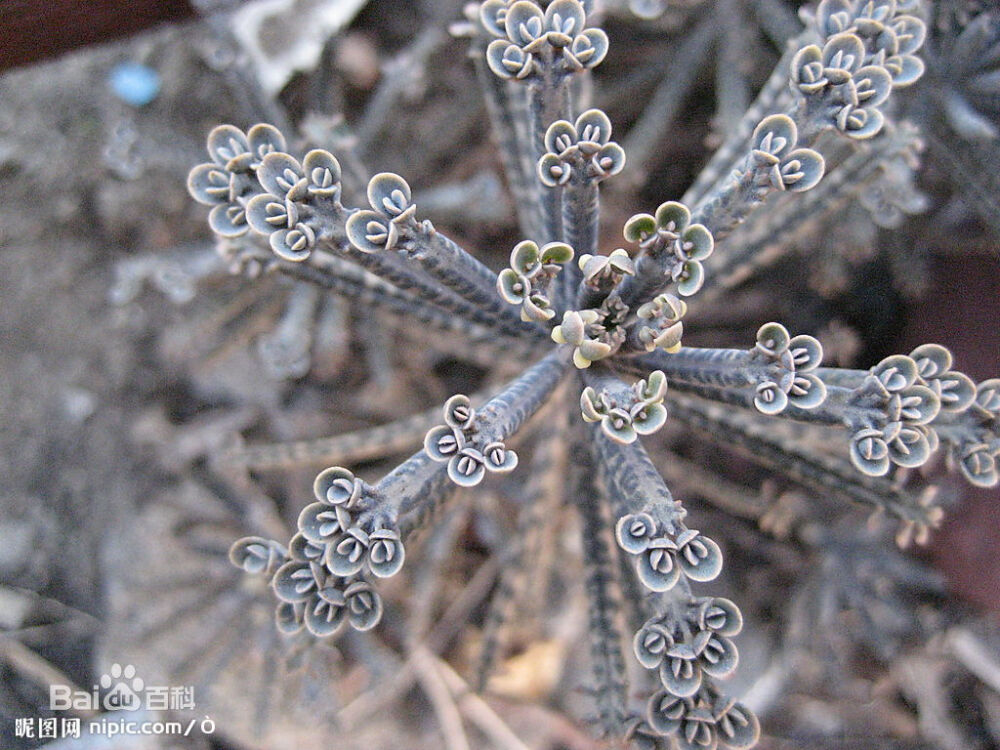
point(634, 484)
point(601, 582)
point(354, 283)
point(549, 101)
point(581, 216)
point(504, 414)
point(504, 114)
point(773, 97)
point(771, 449)
point(417, 481)
point(718, 368)
point(444, 260)
point(436, 252)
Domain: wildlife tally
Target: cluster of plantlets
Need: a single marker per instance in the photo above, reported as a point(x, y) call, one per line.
point(609, 316)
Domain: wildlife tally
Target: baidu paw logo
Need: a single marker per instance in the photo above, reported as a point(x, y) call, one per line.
point(122, 687)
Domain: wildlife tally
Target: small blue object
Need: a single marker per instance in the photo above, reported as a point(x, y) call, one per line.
point(135, 84)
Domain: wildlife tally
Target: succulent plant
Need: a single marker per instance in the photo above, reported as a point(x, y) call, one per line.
point(602, 338)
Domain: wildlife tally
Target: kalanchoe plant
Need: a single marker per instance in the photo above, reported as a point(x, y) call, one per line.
point(591, 329)
point(581, 152)
point(625, 413)
point(671, 240)
point(537, 44)
point(529, 277)
point(663, 327)
point(469, 450)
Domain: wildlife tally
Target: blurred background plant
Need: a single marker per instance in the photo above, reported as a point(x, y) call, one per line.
point(166, 432)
